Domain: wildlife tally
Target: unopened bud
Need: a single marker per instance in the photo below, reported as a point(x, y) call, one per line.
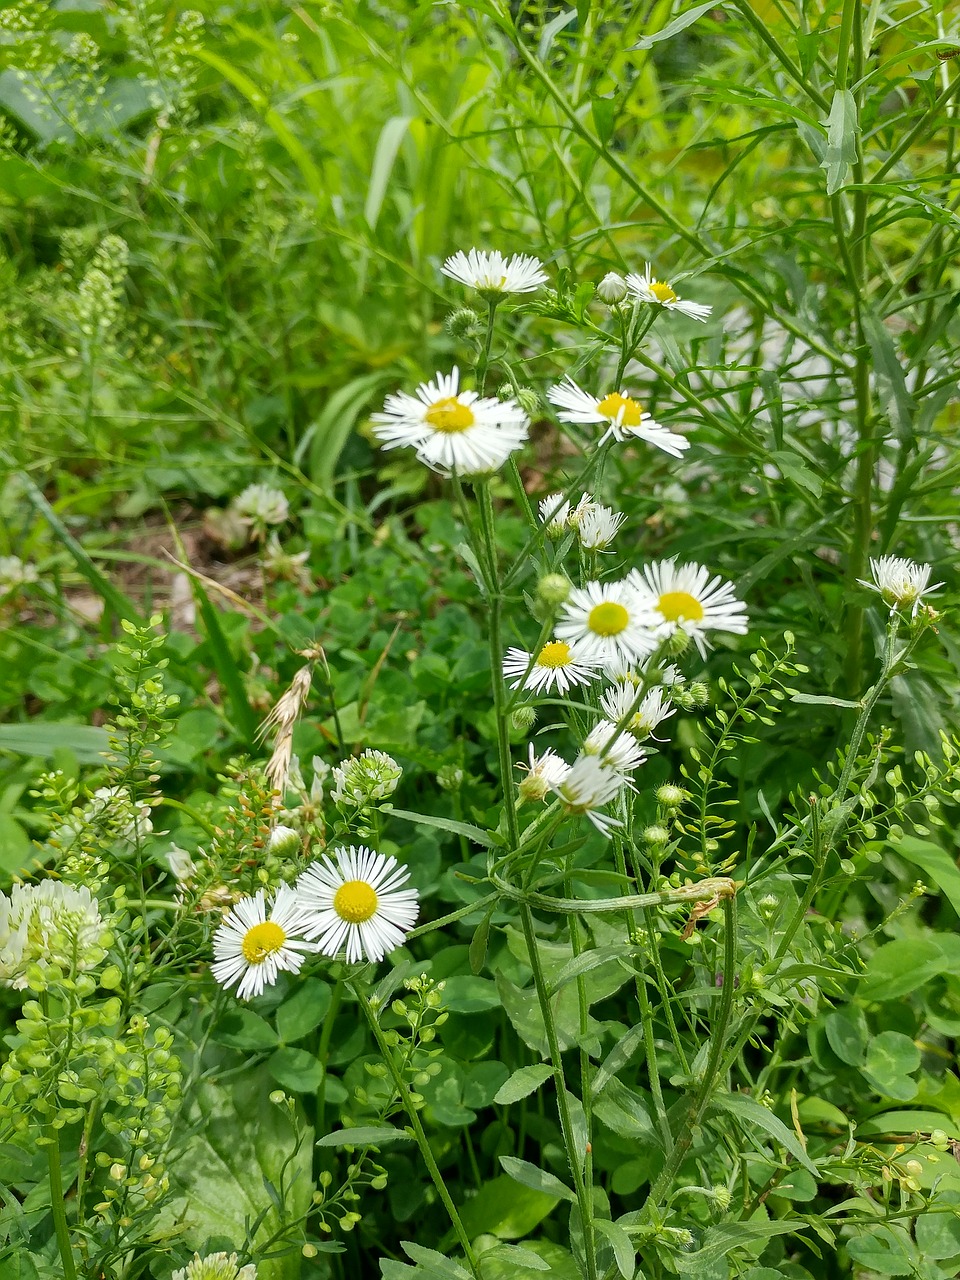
point(699, 693)
point(678, 643)
point(462, 323)
point(670, 797)
point(283, 841)
point(656, 835)
point(523, 719)
point(612, 288)
point(553, 588)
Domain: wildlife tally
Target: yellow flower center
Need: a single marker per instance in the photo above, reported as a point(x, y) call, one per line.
point(611, 405)
point(355, 901)
point(262, 941)
point(662, 292)
point(608, 619)
point(677, 605)
point(554, 654)
point(450, 416)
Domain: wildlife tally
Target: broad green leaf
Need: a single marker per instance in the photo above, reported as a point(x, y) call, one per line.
point(367, 1135)
point(295, 1070)
point(507, 1209)
point(891, 1060)
point(938, 1234)
point(623, 1251)
point(539, 1179)
point(464, 993)
point(522, 1083)
point(243, 1029)
point(906, 1123)
point(512, 1257)
point(888, 1251)
point(751, 1112)
point(847, 1033)
point(842, 132)
point(17, 851)
point(43, 737)
point(901, 966)
point(303, 1011)
point(938, 864)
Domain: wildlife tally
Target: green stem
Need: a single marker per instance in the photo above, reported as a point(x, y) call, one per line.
point(323, 1052)
point(57, 1205)
point(483, 362)
point(423, 1143)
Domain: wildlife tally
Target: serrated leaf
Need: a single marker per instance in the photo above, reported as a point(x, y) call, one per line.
point(522, 1083)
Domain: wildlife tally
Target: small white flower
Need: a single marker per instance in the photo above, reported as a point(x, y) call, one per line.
point(624, 417)
point(262, 504)
point(15, 573)
point(215, 1266)
point(253, 945)
point(452, 430)
point(182, 866)
point(617, 748)
point(584, 507)
point(544, 773)
point(619, 701)
point(359, 900)
point(612, 288)
point(647, 289)
point(587, 787)
point(608, 621)
point(902, 583)
point(494, 273)
point(51, 925)
point(598, 527)
point(555, 513)
point(558, 665)
point(685, 598)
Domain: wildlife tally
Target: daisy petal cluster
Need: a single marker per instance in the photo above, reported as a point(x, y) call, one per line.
point(608, 622)
point(598, 526)
point(358, 900)
point(257, 941)
point(615, 747)
point(901, 583)
point(587, 787)
point(558, 665)
point(493, 273)
point(648, 289)
point(686, 598)
point(619, 703)
point(450, 429)
point(623, 417)
point(543, 774)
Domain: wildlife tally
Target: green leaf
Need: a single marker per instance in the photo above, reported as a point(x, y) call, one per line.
point(623, 1251)
point(885, 1250)
point(296, 1070)
point(473, 833)
point(794, 468)
point(751, 1112)
point(678, 24)
point(384, 158)
point(522, 1083)
point(625, 1112)
point(824, 700)
point(245, 720)
point(891, 1060)
point(719, 1241)
point(327, 435)
point(938, 1234)
point(44, 737)
point(936, 862)
point(17, 851)
point(528, 1175)
point(901, 966)
point(478, 944)
point(433, 1263)
point(366, 1135)
point(505, 1208)
point(512, 1256)
point(847, 1034)
point(796, 1185)
point(843, 129)
point(464, 993)
point(302, 1012)
point(888, 370)
point(243, 1029)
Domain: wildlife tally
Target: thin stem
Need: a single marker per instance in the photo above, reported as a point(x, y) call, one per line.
point(423, 1143)
point(483, 363)
point(58, 1206)
point(323, 1052)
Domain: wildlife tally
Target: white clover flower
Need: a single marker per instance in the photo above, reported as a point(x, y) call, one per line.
point(492, 273)
point(558, 666)
point(647, 289)
point(624, 417)
point(654, 708)
point(543, 773)
point(598, 526)
point(359, 900)
point(612, 288)
point(15, 573)
point(615, 747)
point(365, 779)
point(685, 598)
point(262, 504)
point(254, 944)
point(51, 925)
point(587, 787)
point(902, 583)
point(216, 1266)
point(555, 513)
point(452, 430)
point(608, 621)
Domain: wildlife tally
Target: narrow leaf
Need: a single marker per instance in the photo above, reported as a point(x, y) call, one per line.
point(448, 824)
point(842, 132)
point(528, 1175)
point(751, 1112)
point(678, 24)
point(366, 1135)
point(384, 158)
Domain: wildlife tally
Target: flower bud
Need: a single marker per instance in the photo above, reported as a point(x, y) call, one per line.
point(670, 797)
point(678, 643)
point(523, 719)
point(553, 588)
point(462, 323)
point(612, 288)
point(283, 841)
point(699, 692)
point(655, 835)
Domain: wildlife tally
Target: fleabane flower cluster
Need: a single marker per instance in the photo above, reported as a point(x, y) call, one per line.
point(622, 417)
point(902, 583)
point(351, 900)
point(49, 930)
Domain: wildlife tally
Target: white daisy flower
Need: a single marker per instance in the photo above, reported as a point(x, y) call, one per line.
point(686, 598)
point(558, 665)
point(587, 787)
point(598, 527)
point(253, 944)
point(361, 900)
point(624, 417)
point(647, 289)
point(494, 273)
point(615, 747)
point(555, 514)
point(902, 583)
point(544, 773)
point(608, 621)
point(654, 707)
point(583, 509)
point(452, 430)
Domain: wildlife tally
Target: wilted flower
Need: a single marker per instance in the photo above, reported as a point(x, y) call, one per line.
point(365, 779)
point(182, 866)
point(615, 747)
point(283, 841)
point(544, 773)
point(618, 702)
